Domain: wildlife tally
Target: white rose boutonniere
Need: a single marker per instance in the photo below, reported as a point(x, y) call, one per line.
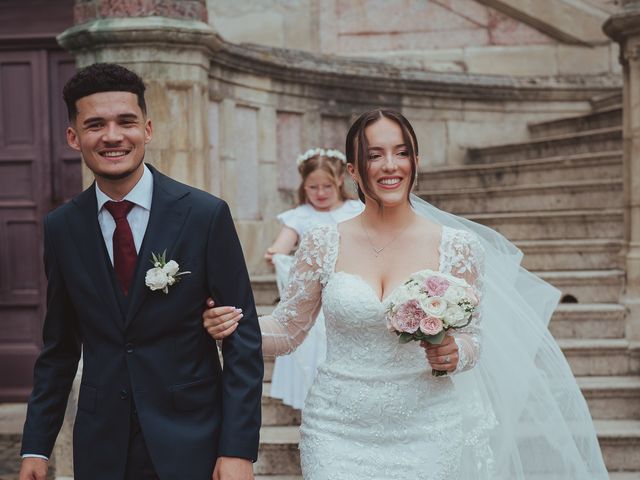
point(163, 274)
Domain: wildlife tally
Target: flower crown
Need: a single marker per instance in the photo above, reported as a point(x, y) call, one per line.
point(320, 152)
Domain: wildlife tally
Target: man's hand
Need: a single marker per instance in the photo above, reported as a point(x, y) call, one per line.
point(231, 468)
point(33, 468)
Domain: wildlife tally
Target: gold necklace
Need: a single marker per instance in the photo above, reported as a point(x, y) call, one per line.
point(378, 251)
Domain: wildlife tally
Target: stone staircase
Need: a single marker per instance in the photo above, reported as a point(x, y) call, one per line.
point(559, 198)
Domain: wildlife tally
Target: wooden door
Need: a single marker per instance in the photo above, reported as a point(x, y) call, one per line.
point(37, 173)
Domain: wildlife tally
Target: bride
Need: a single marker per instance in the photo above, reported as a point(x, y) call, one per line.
point(509, 407)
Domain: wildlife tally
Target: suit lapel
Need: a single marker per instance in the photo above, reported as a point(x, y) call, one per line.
point(85, 231)
point(166, 220)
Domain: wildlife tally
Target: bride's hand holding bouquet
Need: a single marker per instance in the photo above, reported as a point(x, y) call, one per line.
point(429, 304)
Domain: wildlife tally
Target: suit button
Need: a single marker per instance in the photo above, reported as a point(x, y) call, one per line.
point(124, 394)
point(128, 348)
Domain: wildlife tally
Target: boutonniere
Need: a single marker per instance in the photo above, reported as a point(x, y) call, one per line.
point(163, 274)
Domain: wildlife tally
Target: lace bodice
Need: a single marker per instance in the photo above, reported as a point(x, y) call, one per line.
point(313, 271)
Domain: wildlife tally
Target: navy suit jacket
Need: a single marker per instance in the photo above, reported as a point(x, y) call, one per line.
point(150, 349)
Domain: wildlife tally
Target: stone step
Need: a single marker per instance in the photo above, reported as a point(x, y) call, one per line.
point(601, 140)
point(558, 225)
point(622, 475)
point(597, 357)
point(276, 413)
point(610, 116)
point(596, 254)
point(612, 397)
point(268, 369)
point(582, 194)
point(582, 166)
point(279, 453)
point(619, 440)
point(620, 443)
point(590, 286)
point(589, 320)
point(606, 100)
point(265, 290)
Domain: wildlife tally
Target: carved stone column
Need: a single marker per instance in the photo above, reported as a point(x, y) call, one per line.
point(169, 44)
point(624, 28)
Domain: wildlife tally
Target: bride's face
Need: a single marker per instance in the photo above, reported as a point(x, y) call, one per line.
point(388, 163)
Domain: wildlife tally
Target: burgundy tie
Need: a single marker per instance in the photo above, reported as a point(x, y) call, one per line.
point(124, 250)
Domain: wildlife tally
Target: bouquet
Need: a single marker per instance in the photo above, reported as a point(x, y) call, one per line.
point(429, 304)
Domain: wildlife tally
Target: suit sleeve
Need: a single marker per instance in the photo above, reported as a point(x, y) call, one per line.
point(57, 363)
point(242, 352)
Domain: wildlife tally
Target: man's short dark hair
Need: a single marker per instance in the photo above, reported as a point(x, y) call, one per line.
point(102, 77)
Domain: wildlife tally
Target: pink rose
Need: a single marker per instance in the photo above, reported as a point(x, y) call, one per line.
point(408, 316)
point(430, 325)
point(436, 286)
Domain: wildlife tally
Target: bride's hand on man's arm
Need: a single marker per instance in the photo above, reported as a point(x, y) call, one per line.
point(220, 322)
point(443, 357)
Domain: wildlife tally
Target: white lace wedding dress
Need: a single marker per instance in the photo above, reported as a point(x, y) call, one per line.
point(374, 410)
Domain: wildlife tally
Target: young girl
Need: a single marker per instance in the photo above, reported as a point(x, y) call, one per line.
point(322, 200)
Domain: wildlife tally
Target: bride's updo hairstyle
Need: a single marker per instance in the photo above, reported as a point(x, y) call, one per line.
point(357, 147)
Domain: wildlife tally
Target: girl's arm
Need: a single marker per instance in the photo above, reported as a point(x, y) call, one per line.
point(284, 243)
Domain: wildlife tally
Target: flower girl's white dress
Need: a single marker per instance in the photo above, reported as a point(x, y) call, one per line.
point(374, 410)
point(293, 374)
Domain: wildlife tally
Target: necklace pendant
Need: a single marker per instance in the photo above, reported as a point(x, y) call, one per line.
point(378, 251)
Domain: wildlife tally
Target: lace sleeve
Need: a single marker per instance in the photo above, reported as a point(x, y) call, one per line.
point(463, 256)
point(288, 325)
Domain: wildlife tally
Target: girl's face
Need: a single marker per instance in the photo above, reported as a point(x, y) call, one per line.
point(321, 191)
point(389, 163)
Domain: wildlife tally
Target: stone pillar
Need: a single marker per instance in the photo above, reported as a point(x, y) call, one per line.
point(624, 28)
point(169, 44)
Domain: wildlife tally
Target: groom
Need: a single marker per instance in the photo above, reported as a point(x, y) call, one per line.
point(154, 402)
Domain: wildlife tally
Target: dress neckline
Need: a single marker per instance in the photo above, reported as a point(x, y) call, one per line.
point(362, 280)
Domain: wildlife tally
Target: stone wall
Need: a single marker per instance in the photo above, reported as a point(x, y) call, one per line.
point(503, 37)
point(267, 105)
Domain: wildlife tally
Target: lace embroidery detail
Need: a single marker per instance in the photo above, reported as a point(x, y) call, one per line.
point(294, 316)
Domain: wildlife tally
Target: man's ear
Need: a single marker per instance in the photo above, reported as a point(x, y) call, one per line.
point(148, 131)
point(72, 138)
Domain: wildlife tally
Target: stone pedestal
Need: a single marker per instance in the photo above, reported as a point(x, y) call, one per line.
point(624, 28)
point(169, 44)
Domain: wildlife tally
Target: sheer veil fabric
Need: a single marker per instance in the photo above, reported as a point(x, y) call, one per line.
point(542, 427)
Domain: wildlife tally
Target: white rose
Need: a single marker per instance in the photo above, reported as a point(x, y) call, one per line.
point(435, 306)
point(455, 316)
point(171, 268)
point(422, 275)
point(156, 279)
point(454, 294)
point(399, 296)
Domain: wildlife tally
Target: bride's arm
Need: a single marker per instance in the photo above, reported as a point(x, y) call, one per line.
point(288, 325)
point(467, 261)
point(290, 322)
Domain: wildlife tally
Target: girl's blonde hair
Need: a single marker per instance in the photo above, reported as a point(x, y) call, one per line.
point(331, 166)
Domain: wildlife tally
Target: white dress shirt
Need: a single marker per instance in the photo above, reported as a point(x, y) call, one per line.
point(140, 195)
point(138, 218)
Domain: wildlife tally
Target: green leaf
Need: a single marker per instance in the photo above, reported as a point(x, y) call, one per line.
point(435, 339)
point(405, 337)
